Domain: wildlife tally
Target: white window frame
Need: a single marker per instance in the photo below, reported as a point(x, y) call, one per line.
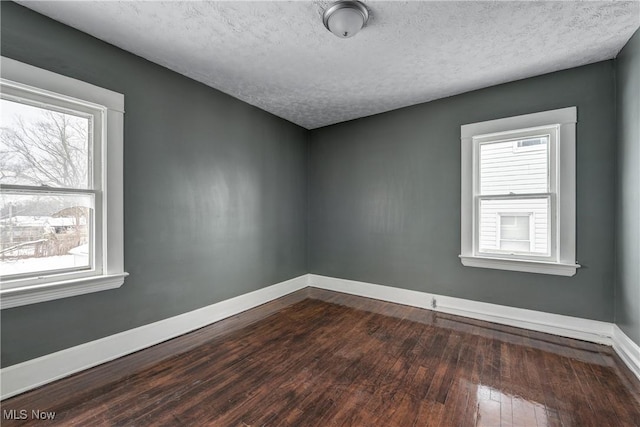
point(107, 272)
point(562, 165)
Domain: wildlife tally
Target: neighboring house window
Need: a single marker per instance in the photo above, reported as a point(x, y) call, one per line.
point(529, 144)
point(518, 193)
point(515, 233)
point(60, 186)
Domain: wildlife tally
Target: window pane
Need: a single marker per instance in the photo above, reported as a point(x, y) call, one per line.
point(515, 246)
point(39, 146)
point(44, 232)
point(514, 167)
point(530, 142)
point(514, 225)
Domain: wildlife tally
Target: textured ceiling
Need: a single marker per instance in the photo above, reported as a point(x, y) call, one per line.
point(279, 57)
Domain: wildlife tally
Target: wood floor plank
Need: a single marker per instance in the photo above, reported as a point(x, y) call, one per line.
point(390, 352)
point(322, 358)
point(338, 351)
point(459, 393)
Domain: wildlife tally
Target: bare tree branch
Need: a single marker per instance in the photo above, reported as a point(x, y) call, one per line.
point(52, 150)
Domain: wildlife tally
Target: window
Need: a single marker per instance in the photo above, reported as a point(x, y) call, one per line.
point(515, 234)
point(529, 144)
point(60, 186)
point(518, 193)
point(514, 187)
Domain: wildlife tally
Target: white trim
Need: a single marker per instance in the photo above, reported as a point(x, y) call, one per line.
point(108, 271)
point(59, 86)
point(542, 119)
point(16, 297)
point(556, 324)
point(33, 373)
point(566, 326)
point(561, 124)
point(527, 266)
point(628, 350)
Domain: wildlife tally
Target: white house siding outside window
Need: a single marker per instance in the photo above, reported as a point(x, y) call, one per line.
point(515, 225)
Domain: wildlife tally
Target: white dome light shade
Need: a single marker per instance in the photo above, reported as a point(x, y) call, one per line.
point(345, 18)
point(345, 22)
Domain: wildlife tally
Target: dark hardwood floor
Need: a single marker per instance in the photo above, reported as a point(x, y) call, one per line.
point(320, 358)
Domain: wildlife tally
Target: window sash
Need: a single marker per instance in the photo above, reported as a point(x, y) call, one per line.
point(549, 132)
point(552, 250)
point(97, 136)
point(11, 281)
point(40, 98)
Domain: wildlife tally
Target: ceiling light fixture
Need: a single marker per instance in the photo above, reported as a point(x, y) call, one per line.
point(345, 18)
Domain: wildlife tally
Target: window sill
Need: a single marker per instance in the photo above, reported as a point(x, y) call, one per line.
point(46, 292)
point(559, 269)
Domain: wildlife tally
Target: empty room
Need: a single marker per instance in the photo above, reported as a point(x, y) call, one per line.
point(320, 213)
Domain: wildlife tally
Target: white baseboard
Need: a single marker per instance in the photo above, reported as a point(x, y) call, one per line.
point(556, 324)
point(33, 373)
point(628, 351)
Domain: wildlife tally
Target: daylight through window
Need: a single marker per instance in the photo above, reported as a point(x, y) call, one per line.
point(48, 195)
point(515, 197)
point(518, 193)
point(61, 219)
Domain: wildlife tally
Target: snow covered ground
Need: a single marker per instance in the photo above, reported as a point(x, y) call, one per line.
point(29, 265)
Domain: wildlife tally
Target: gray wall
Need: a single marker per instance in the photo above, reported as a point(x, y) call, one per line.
point(215, 193)
point(384, 194)
point(627, 291)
